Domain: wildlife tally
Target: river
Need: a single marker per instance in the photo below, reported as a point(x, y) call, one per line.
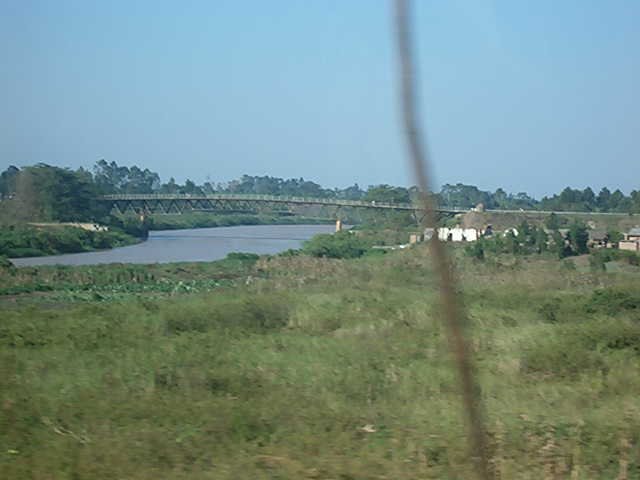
point(192, 245)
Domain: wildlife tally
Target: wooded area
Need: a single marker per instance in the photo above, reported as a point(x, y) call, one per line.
point(48, 193)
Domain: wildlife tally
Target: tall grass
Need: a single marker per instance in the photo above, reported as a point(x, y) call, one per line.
point(320, 368)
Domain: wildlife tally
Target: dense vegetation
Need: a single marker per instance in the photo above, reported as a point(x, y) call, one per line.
point(339, 245)
point(121, 281)
point(571, 200)
point(301, 367)
point(205, 220)
point(69, 194)
point(25, 241)
point(527, 239)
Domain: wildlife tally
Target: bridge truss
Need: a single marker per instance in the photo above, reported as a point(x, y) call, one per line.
point(159, 204)
point(233, 203)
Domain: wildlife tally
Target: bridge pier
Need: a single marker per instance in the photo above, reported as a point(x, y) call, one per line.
point(338, 226)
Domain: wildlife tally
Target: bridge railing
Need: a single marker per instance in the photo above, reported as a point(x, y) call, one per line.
point(273, 199)
point(321, 201)
point(264, 198)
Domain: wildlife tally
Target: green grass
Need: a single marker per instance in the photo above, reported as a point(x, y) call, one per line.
point(321, 368)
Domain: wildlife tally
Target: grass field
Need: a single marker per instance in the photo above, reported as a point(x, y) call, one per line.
point(326, 369)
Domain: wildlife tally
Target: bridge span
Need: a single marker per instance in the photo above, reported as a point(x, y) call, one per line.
point(242, 203)
point(158, 203)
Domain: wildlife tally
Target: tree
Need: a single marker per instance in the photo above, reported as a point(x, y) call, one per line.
point(541, 240)
point(476, 249)
point(112, 178)
point(635, 201)
point(387, 194)
point(464, 196)
point(602, 201)
point(51, 193)
point(191, 188)
point(340, 245)
point(354, 192)
point(501, 199)
point(8, 180)
point(614, 235)
point(589, 198)
point(578, 236)
point(511, 243)
point(619, 202)
point(170, 186)
point(560, 246)
point(552, 222)
point(524, 229)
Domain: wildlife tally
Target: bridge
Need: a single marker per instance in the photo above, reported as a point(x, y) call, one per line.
point(283, 205)
point(243, 203)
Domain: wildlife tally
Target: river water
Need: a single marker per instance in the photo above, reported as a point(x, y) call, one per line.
point(193, 245)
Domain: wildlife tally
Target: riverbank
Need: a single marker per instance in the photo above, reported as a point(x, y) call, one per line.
point(193, 245)
point(24, 240)
point(303, 367)
point(204, 220)
point(19, 241)
point(106, 283)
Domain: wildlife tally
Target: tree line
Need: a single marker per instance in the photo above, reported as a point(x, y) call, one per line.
point(45, 192)
point(527, 239)
point(570, 200)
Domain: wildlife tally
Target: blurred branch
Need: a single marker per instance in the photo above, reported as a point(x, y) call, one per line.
point(453, 312)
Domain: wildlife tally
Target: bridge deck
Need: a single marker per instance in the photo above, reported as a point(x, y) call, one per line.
point(290, 200)
point(264, 199)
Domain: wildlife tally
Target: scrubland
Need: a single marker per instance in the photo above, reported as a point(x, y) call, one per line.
point(304, 367)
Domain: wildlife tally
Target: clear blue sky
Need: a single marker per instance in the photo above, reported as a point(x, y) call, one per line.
point(529, 96)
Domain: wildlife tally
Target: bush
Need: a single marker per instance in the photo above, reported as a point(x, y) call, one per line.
point(26, 241)
point(550, 309)
point(572, 349)
point(597, 263)
point(256, 314)
point(243, 257)
point(613, 300)
point(338, 245)
point(5, 263)
point(20, 252)
point(475, 250)
point(600, 257)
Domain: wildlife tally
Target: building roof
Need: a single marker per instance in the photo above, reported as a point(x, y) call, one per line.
point(634, 231)
point(597, 234)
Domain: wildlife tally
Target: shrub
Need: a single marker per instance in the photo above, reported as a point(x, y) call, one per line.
point(19, 252)
point(25, 241)
point(597, 263)
point(475, 250)
point(613, 300)
point(244, 257)
point(256, 313)
point(338, 245)
point(600, 257)
point(5, 263)
point(572, 349)
point(550, 310)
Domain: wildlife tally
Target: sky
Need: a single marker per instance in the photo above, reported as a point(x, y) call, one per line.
point(527, 96)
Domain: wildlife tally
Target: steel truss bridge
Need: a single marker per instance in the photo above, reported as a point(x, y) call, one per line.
point(283, 205)
point(240, 203)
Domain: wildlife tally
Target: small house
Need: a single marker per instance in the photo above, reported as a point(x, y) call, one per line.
point(598, 238)
point(631, 240)
point(633, 234)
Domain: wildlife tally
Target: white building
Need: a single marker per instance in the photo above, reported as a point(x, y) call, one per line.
point(458, 234)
